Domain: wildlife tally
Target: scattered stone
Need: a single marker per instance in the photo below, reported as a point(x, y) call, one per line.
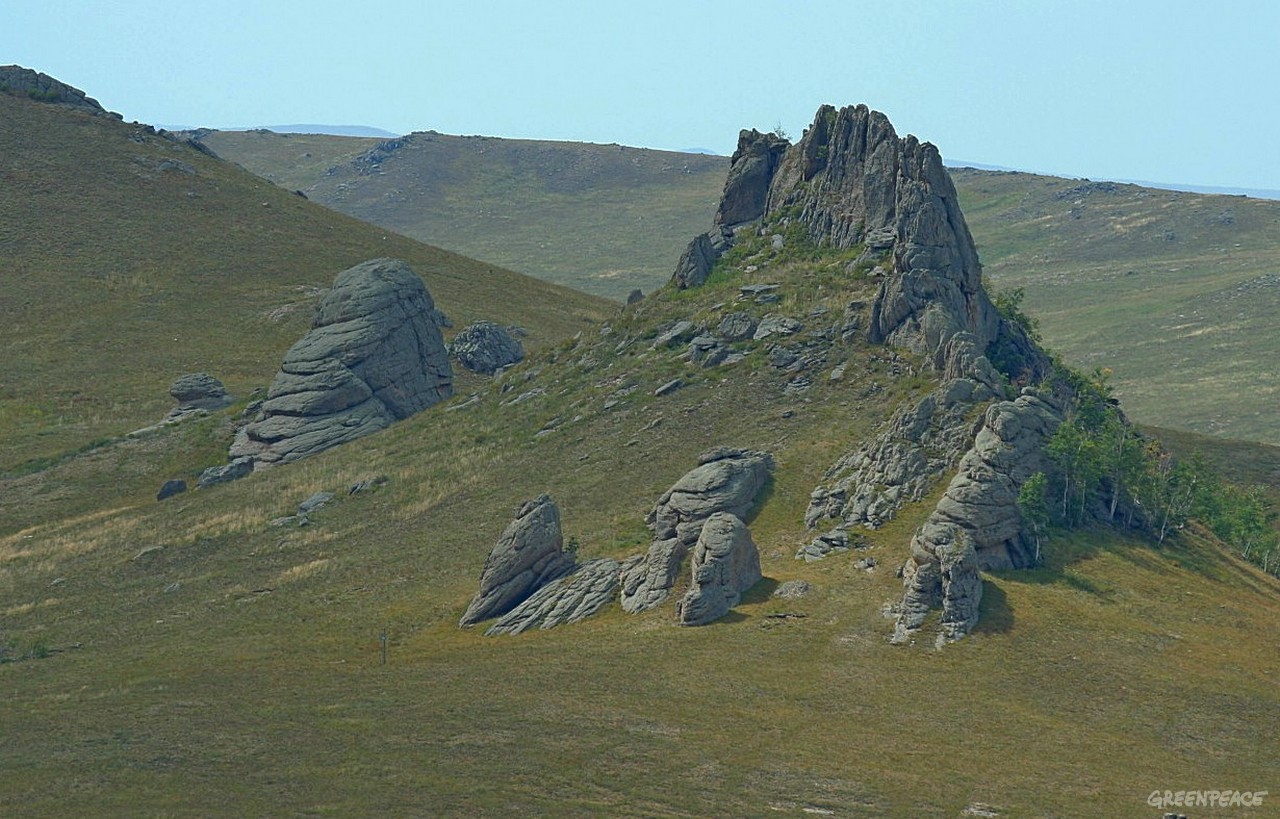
point(773, 324)
point(700, 256)
point(680, 331)
point(726, 563)
point(866, 563)
point(736, 327)
point(753, 290)
point(171, 488)
point(837, 540)
point(314, 502)
point(793, 589)
point(528, 555)
point(837, 374)
point(199, 391)
point(237, 469)
point(485, 348)
point(374, 356)
point(782, 357)
point(777, 241)
point(669, 387)
point(635, 296)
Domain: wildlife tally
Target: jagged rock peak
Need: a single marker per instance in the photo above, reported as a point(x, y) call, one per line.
point(751, 169)
point(19, 81)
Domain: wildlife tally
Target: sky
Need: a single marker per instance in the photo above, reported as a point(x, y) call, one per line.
point(1172, 91)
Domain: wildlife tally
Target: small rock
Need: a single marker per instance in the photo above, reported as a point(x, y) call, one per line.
point(368, 484)
point(669, 387)
point(776, 325)
point(736, 327)
point(199, 390)
point(777, 242)
point(314, 502)
point(867, 563)
point(792, 589)
point(679, 331)
point(757, 289)
point(485, 347)
point(171, 488)
point(635, 295)
point(233, 471)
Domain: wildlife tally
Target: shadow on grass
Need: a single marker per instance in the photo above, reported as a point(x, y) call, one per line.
point(761, 591)
point(995, 615)
point(762, 500)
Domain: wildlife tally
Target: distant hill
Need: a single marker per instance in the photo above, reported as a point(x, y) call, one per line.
point(330, 130)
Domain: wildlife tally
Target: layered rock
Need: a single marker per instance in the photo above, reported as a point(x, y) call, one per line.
point(485, 347)
point(528, 555)
point(576, 596)
point(14, 79)
point(977, 525)
point(725, 480)
point(374, 356)
point(199, 391)
point(725, 564)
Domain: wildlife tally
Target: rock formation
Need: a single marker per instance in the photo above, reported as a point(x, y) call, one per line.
point(14, 79)
point(374, 356)
point(725, 480)
point(977, 525)
point(578, 595)
point(529, 555)
point(199, 391)
point(725, 564)
point(485, 347)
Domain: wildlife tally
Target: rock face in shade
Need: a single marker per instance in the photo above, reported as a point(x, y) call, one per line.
point(374, 356)
point(751, 170)
point(529, 555)
point(725, 564)
point(485, 347)
point(726, 480)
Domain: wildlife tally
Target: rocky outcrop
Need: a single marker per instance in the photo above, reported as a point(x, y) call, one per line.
point(751, 170)
point(699, 257)
point(587, 590)
point(725, 564)
point(199, 391)
point(234, 471)
point(485, 347)
point(920, 443)
point(977, 524)
point(19, 81)
point(725, 480)
point(374, 356)
point(529, 555)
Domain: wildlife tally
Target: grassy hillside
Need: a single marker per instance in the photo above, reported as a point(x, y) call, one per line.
point(1177, 292)
point(600, 218)
point(190, 657)
point(129, 259)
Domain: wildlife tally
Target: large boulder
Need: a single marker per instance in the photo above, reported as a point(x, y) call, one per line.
point(529, 555)
point(751, 169)
point(587, 590)
point(485, 347)
point(725, 564)
point(374, 356)
point(199, 391)
point(694, 266)
point(725, 480)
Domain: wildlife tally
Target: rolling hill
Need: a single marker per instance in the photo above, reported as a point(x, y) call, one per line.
point(1173, 291)
point(192, 657)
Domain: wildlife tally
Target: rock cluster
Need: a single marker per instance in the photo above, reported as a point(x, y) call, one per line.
point(374, 356)
point(485, 347)
point(725, 480)
point(977, 524)
point(529, 555)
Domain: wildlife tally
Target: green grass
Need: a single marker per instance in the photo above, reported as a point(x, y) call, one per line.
point(129, 259)
point(236, 668)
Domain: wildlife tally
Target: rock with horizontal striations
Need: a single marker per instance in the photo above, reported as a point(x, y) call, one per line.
point(528, 555)
point(726, 480)
point(725, 564)
point(485, 347)
point(19, 81)
point(234, 471)
point(574, 597)
point(199, 391)
point(374, 356)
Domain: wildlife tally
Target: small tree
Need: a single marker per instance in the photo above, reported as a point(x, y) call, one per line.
point(1033, 503)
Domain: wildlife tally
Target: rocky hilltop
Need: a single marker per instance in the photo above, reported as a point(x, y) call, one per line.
point(14, 79)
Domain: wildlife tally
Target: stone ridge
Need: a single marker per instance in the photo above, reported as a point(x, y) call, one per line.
point(19, 81)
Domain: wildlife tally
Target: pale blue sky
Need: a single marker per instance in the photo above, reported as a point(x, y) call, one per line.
point(1163, 91)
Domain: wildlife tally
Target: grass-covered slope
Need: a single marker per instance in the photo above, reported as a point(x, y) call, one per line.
point(1174, 291)
point(600, 218)
point(128, 259)
point(191, 657)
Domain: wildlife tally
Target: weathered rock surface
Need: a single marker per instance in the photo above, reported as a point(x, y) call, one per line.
point(919, 444)
point(234, 471)
point(19, 81)
point(374, 356)
point(725, 564)
point(793, 589)
point(528, 555)
point(751, 169)
point(699, 257)
point(977, 524)
point(485, 347)
point(587, 590)
point(199, 391)
point(171, 488)
point(726, 480)
point(737, 326)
